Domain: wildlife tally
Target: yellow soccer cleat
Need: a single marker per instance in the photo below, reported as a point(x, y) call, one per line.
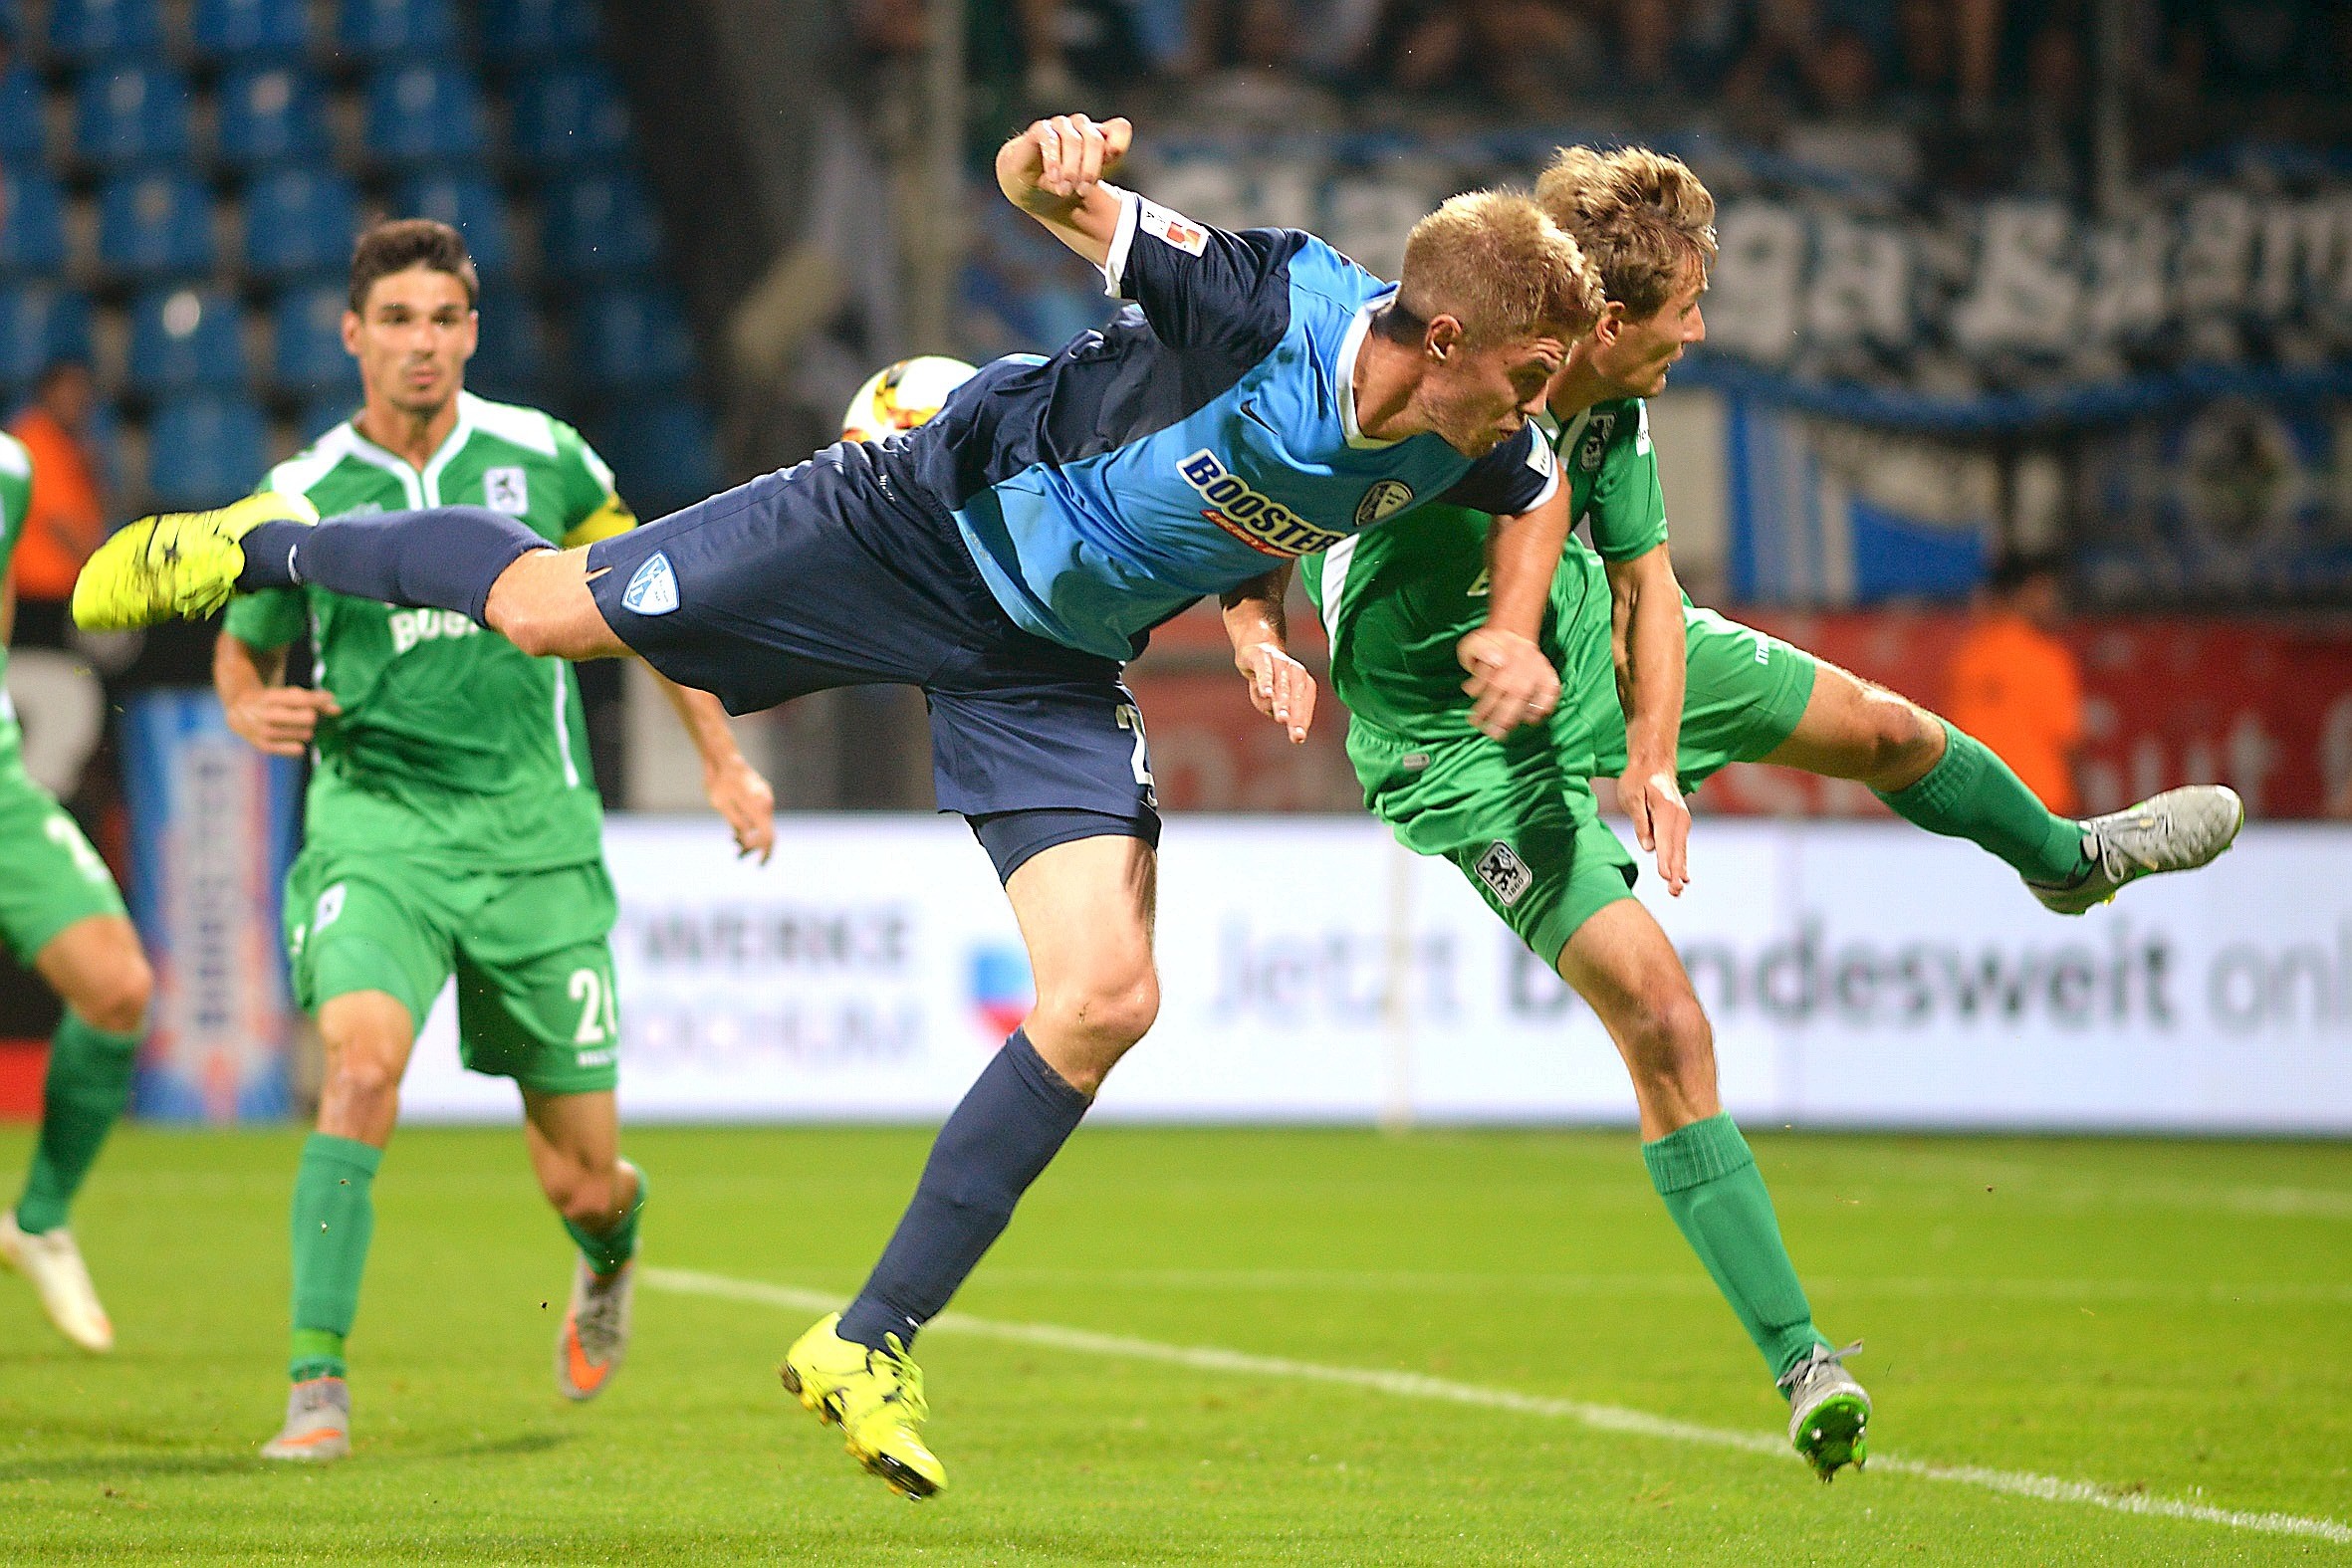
point(182, 563)
point(877, 1396)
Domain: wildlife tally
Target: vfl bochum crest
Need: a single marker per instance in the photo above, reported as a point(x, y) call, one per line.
point(1385, 500)
point(653, 591)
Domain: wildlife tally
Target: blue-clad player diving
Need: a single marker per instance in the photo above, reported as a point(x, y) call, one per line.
point(1264, 397)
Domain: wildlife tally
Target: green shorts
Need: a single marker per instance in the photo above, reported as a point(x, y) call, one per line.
point(50, 876)
point(1517, 815)
point(531, 951)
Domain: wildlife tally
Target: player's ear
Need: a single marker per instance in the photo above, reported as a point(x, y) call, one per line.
point(1441, 338)
point(1611, 321)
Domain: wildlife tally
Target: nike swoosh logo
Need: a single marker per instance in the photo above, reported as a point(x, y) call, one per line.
point(1251, 413)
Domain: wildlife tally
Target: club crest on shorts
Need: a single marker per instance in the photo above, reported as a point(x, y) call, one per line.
point(1506, 873)
point(653, 590)
point(1385, 500)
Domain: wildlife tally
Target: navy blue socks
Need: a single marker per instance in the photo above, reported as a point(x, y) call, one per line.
point(1012, 1122)
point(444, 558)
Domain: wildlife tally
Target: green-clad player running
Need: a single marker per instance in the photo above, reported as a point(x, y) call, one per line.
point(1660, 695)
point(452, 826)
point(60, 913)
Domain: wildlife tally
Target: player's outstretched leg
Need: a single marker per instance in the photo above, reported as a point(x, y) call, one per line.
point(1938, 776)
point(96, 965)
point(1085, 909)
point(1620, 961)
point(574, 1143)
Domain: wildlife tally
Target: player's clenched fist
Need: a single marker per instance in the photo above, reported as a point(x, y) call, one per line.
point(281, 720)
point(1511, 681)
point(1056, 162)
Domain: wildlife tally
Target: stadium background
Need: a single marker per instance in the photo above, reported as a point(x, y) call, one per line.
point(2073, 278)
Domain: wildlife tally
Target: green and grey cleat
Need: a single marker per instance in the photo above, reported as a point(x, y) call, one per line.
point(317, 1422)
point(1829, 1414)
point(2177, 830)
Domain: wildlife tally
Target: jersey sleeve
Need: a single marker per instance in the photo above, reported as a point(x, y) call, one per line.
point(267, 620)
point(16, 496)
point(1517, 476)
point(592, 508)
point(1627, 508)
point(1200, 285)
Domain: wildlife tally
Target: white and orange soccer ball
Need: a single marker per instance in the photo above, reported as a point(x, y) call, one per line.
point(901, 396)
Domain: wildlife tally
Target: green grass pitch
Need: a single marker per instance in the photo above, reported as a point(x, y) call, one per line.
point(2165, 1320)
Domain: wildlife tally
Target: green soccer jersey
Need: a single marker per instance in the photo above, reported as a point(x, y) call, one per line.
point(16, 493)
point(451, 741)
point(1396, 598)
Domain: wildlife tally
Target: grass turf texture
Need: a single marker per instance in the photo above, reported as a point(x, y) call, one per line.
point(2168, 1316)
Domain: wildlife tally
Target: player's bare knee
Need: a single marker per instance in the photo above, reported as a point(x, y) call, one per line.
point(116, 999)
point(1670, 1037)
point(1904, 742)
point(1121, 1012)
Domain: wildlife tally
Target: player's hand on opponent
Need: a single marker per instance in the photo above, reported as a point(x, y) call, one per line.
point(1511, 681)
point(739, 794)
point(281, 720)
point(1661, 821)
point(1279, 687)
point(1056, 162)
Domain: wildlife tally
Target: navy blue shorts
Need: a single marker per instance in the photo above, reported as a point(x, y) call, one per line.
point(822, 575)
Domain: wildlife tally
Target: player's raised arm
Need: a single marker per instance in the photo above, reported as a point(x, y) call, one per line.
point(1054, 172)
point(1280, 686)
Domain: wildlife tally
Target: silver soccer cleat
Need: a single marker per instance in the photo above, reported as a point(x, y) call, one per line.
point(595, 1330)
point(2177, 830)
point(1829, 1414)
point(317, 1422)
point(52, 1262)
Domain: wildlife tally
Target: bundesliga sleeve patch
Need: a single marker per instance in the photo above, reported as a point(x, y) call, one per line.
point(1170, 228)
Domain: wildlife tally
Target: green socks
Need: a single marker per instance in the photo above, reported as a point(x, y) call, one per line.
point(88, 1085)
point(606, 1251)
point(1971, 793)
point(334, 1216)
point(1717, 1197)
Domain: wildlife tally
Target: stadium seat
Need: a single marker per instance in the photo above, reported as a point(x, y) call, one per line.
point(402, 29)
point(568, 115)
point(271, 114)
point(24, 126)
point(470, 204)
point(88, 30)
point(510, 361)
point(599, 226)
point(185, 340)
point(39, 323)
point(156, 225)
point(132, 116)
point(515, 30)
point(661, 453)
point(32, 223)
point(633, 338)
point(310, 357)
point(205, 450)
point(250, 29)
point(298, 224)
point(323, 413)
point(422, 114)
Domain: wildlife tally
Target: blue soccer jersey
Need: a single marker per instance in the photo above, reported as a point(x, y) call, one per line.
point(1199, 439)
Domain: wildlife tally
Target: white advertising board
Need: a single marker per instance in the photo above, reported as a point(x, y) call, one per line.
point(1858, 973)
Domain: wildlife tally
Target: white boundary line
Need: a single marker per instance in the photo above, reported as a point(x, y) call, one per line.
point(1409, 1385)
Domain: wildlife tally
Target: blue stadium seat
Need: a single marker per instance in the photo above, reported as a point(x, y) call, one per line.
point(661, 453)
point(633, 338)
point(251, 30)
point(132, 116)
point(271, 114)
point(185, 340)
point(567, 116)
point(298, 224)
point(511, 360)
point(24, 129)
point(537, 28)
point(310, 357)
point(39, 323)
point(323, 413)
point(599, 226)
point(205, 450)
point(423, 114)
point(86, 30)
point(470, 204)
point(406, 29)
point(156, 225)
point(32, 223)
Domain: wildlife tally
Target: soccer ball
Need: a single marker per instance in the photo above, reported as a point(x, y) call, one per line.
point(901, 396)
